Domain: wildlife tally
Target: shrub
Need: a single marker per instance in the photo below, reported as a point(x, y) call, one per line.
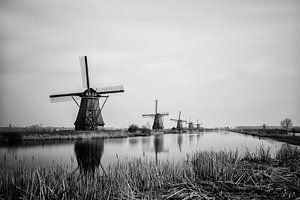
point(133, 128)
point(144, 129)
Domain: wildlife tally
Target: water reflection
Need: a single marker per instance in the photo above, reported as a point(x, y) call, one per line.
point(159, 146)
point(191, 137)
point(118, 141)
point(199, 135)
point(179, 141)
point(133, 141)
point(88, 155)
point(145, 143)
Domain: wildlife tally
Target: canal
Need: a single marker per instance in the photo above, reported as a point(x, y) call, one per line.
point(171, 147)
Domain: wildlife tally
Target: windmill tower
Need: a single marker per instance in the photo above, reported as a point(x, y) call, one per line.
point(198, 126)
point(190, 124)
point(179, 126)
point(158, 118)
point(89, 115)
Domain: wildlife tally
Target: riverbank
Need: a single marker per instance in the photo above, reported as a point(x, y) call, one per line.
point(290, 139)
point(28, 135)
point(202, 175)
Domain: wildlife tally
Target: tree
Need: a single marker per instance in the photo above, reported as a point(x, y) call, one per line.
point(286, 124)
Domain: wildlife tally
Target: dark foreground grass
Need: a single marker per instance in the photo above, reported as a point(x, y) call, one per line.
point(203, 175)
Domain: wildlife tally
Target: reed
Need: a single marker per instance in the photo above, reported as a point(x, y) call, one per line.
point(202, 175)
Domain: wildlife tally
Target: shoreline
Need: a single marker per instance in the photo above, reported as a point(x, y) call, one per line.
point(67, 135)
point(46, 135)
point(289, 139)
point(43, 135)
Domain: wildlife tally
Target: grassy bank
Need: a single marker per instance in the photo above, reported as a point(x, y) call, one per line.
point(203, 175)
point(24, 134)
point(290, 139)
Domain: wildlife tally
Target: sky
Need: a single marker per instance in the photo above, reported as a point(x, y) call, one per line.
point(226, 63)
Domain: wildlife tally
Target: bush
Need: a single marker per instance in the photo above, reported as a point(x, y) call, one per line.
point(144, 129)
point(133, 128)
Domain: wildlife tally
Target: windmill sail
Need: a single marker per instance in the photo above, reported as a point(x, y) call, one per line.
point(111, 89)
point(164, 113)
point(65, 97)
point(84, 71)
point(148, 115)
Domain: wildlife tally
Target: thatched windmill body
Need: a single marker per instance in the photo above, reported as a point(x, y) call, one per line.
point(158, 118)
point(179, 121)
point(89, 115)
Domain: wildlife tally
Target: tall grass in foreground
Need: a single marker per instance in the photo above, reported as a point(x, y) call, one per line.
point(202, 175)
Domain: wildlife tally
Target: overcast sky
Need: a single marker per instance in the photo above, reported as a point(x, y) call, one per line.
point(226, 63)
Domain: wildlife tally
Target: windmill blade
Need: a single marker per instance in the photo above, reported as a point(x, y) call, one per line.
point(148, 115)
point(174, 120)
point(84, 71)
point(111, 89)
point(64, 99)
point(165, 114)
point(67, 94)
point(183, 120)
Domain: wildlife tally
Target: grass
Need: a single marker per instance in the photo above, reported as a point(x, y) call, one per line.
point(202, 175)
point(23, 134)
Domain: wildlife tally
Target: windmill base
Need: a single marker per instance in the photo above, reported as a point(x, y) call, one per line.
point(89, 115)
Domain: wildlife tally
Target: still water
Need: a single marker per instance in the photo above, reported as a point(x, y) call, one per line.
point(91, 152)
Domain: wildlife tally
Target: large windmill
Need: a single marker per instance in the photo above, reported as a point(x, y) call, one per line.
point(89, 115)
point(179, 121)
point(158, 118)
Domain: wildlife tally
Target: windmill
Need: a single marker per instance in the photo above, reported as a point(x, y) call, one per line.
point(190, 124)
point(89, 115)
point(198, 126)
point(158, 118)
point(179, 126)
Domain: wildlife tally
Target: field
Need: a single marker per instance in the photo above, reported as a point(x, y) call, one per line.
point(202, 175)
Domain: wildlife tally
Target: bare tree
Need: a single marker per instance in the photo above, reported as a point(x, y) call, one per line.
point(286, 124)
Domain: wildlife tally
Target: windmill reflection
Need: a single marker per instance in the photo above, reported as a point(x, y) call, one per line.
point(179, 141)
point(88, 155)
point(191, 138)
point(199, 135)
point(158, 146)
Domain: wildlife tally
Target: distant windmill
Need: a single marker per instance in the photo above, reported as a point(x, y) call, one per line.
point(190, 124)
point(89, 115)
point(198, 126)
point(179, 126)
point(158, 118)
